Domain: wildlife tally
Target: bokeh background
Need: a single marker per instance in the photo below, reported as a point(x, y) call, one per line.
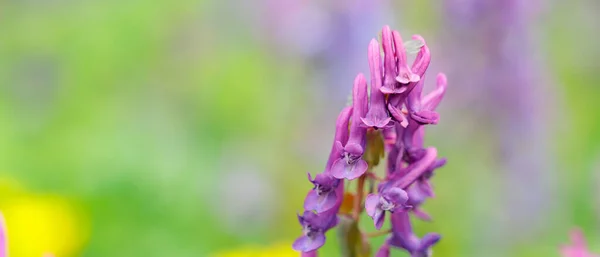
point(187, 127)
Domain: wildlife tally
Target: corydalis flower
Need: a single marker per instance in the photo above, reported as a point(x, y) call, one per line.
point(422, 189)
point(407, 77)
point(377, 117)
point(422, 109)
point(313, 229)
point(399, 96)
point(384, 250)
point(3, 244)
point(341, 135)
point(404, 237)
point(361, 146)
point(389, 199)
point(323, 196)
point(578, 248)
point(350, 164)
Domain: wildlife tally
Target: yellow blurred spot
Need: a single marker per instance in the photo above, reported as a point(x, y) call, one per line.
point(278, 250)
point(40, 225)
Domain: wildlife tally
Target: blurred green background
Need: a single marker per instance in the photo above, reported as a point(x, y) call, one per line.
point(186, 127)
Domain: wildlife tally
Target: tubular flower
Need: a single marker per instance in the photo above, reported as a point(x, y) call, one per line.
point(323, 196)
point(390, 123)
point(313, 229)
point(350, 164)
point(389, 199)
point(377, 117)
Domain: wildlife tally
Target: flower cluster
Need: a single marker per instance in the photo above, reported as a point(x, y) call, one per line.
point(390, 120)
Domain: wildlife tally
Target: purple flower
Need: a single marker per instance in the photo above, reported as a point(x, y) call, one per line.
point(433, 99)
point(417, 112)
point(341, 135)
point(401, 117)
point(422, 109)
point(384, 250)
point(389, 63)
point(403, 237)
point(407, 77)
point(389, 199)
point(313, 229)
point(377, 117)
point(323, 196)
point(399, 96)
point(405, 74)
point(425, 244)
point(3, 244)
point(422, 189)
point(405, 177)
point(349, 164)
point(326, 196)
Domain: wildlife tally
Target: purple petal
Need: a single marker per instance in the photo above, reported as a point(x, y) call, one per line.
point(417, 169)
point(401, 224)
point(423, 59)
point(416, 195)
point(325, 179)
point(413, 100)
point(306, 244)
point(379, 218)
point(358, 169)
point(320, 203)
point(341, 125)
point(405, 75)
point(438, 163)
point(376, 123)
point(384, 251)
point(354, 149)
point(321, 221)
point(421, 214)
point(426, 187)
point(301, 219)
point(396, 195)
point(342, 170)
point(433, 99)
point(426, 117)
point(429, 240)
point(308, 217)
point(377, 116)
point(339, 147)
point(371, 203)
point(398, 115)
point(375, 67)
point(310, 178)
point(341, 136)
point(338, 169)
point(311, 201)
point(309, 254)
point(397, 90)
point(360, 106)
point(389, 62)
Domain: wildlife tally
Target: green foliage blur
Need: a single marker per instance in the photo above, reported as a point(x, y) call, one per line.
point(163, 122)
